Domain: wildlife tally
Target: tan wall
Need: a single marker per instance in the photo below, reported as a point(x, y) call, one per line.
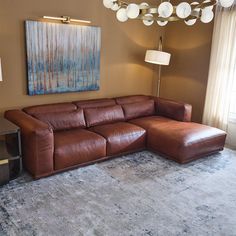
point(123, 70)
point(186, 78)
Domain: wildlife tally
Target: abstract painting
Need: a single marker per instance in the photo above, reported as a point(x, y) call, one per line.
point(62, 58)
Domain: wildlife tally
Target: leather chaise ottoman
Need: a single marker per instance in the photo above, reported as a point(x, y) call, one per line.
point(185, 141)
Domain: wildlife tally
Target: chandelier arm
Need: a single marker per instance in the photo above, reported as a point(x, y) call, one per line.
point(207, 4)
point(160, 44)
point(158, 18)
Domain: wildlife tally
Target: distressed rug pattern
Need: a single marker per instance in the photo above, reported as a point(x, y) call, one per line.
point(138, 194)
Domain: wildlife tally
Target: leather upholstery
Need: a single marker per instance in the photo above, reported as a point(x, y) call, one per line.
point(147, 122)
point(103, 115)
point(58, 107)
point(122, 137)
point(37, 143)
point(46, 151)
point(185, 141)
point(131, 99)
point(77, 146)
point(139, 109)
point(64, 120)
point(174, 110)
point(94, 103)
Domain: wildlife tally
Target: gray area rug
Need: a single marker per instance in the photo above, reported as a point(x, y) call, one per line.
point(138, 194)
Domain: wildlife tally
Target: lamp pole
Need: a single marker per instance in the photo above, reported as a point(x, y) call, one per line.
point(160, 47)
point(0, 70)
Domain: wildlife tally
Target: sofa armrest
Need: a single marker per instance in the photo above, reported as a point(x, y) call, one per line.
point(175, 110)
point(37, 143)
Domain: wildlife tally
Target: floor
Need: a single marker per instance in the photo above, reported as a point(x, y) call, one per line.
point(138, 194)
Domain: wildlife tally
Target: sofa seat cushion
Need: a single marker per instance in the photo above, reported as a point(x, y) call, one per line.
point(77, 146)
point(185, 141)
point(122, 137)
point(147, 122)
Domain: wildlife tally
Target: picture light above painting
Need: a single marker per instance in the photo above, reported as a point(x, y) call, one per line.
point(62, 58)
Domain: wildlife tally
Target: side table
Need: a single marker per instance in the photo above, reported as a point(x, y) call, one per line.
point(10, 151)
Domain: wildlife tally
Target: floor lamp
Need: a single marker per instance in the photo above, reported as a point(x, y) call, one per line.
point(160, 58)
point(0, 70)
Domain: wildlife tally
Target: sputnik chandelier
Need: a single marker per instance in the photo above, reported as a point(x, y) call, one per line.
point(165, 11)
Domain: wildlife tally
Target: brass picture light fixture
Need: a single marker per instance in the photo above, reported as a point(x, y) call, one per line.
point(67, 19)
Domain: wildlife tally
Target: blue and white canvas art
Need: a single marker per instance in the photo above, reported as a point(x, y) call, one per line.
point(62, 58)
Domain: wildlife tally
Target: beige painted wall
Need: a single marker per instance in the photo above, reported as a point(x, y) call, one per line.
point(123, 70)
point(186, 77)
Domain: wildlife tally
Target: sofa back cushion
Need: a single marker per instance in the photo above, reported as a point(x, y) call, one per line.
point(63, 120)
point(94, 103)
point(139, 109)
point(58, 107)
point(132, 99)
point(175, 110)
point(103, 115)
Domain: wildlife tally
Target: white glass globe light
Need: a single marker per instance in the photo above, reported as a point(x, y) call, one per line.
point(165, 9)
point(162, 23)
point(115, 7)
point(108, 3)
point(132, 11)
point(148, 22)
point(190, 22)
point(143, 5)
point(121, 15)
point(226, 3)
point(207, 16)
point(183, 10)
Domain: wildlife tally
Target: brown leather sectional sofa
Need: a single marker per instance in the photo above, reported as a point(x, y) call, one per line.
point(58, 137)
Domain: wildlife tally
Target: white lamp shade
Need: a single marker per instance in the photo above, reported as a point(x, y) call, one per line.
point(0, 70)
point(157, 57)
